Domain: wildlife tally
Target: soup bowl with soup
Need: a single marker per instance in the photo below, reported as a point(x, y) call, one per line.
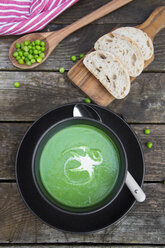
point(79, 165)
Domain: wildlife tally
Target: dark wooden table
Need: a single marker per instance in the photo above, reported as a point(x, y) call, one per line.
point(45, 88)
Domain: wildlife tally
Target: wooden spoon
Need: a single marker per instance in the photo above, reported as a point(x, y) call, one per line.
point(52, 39)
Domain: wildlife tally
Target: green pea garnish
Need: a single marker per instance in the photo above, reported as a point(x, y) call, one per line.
point(82, 55)
point(73, 58)
point(149, 144)
point(62, 70)
point(16, 84)
point(87, 100)
point(147, 131)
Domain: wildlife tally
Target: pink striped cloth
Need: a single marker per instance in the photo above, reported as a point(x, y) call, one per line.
point(25, 16)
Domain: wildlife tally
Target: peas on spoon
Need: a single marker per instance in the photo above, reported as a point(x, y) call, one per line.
point(52, 39)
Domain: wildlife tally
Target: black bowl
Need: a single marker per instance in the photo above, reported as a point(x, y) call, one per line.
point(45, 211)
point(36, 165)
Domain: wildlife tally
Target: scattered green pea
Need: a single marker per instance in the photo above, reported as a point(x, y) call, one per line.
point(33, 43)
point(73, 58)
point(82, 55)
point(36, 56)
point(87, 100)
point(31, 51)
point(19, 49)
point(23, 57)
point(16, 84)
point(62, 70)
point(147, 131)
point(149, 144)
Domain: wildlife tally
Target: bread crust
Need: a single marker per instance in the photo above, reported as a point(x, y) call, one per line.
point(113, 75)
point(107, 43)
point(140, 38)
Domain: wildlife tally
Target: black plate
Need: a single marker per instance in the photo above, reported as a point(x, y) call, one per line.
point(52, 216)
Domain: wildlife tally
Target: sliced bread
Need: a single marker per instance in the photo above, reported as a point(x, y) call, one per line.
point(125, 49)
point(109, 71)
point(141, 38)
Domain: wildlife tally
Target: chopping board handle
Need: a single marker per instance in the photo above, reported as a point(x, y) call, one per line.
point(155, 22)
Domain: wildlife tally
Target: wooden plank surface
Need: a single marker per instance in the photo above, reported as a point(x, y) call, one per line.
point(144, 223)
point(11, 134)
point(80, 42)
point(81, 246)
point(42, 91)
point(134, 12)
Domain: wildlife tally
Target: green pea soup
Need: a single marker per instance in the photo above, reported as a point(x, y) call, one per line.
point(79, 166)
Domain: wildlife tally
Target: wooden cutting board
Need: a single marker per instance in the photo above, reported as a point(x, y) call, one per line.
point(82, 78)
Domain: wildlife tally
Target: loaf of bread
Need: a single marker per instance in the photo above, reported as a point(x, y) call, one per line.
point(125, 49)
point(141, 38)
point(110, 71)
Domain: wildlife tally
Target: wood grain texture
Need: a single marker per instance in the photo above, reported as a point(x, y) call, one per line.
point(11, 134)
point(81, 246)
point(138, 11)
point(19, 225)
point(80, 42)
point(41, 91)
